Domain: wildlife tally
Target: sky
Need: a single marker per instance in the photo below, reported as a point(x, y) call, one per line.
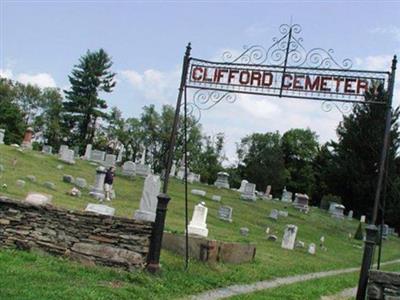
point(41, 41)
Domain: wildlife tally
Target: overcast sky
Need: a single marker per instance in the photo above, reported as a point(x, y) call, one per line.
point(42, 40)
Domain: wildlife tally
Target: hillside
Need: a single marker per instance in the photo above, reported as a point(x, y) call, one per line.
point(271, 260)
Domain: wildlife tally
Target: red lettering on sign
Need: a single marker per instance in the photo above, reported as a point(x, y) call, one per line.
point(312, 85)
point(221, 74)
point(324, 83)
point(232, 75)
point(338, 81)
point(297, 84)
point(288, 84)
point(205, 78)
point(348, 86)
point(256, 76)
point(246, 78)
point(195, 71)
point(362, 84)
point(267, 76)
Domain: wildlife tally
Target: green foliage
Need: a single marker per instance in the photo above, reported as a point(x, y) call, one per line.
point(84, 107)
point(359, 233)
point(262, 161)
point(11, 117)
point(327, 199)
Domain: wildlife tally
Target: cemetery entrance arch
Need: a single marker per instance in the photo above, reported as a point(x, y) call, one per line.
point(285, 69)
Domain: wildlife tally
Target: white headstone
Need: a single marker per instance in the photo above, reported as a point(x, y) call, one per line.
point(267, 191)
point(199, 192)
point(100, 209)
point(62, 149)
point(181, 173)
point(121, 154)
point(242, 184)
point(129, 168)
point(289, 237)
point(2, 133)
point(362, 219)
point(216, 198)
point(173, 169)
point(68, 156)
point(198, 224)
point(143, 170)
point(311, 248)
point(148, 202)
point(249, 192)
point(38, 199)
point(286, 196)
point(88, 152)
point(97, 156)
point(350, 215)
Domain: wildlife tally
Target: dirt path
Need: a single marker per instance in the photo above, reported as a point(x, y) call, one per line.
point(345, 294)
point(239, 289)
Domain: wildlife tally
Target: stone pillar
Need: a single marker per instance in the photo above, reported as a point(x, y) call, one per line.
point(98, 188)
point(27, 142)
point(153, 258)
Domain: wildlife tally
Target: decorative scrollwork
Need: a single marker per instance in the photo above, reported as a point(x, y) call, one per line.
point(207, 99)
point(343, 107)
point(288, 50)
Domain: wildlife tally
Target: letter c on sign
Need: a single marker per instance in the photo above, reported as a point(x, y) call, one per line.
point(195, 72)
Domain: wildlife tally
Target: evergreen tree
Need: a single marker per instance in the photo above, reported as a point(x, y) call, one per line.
point(83, 106)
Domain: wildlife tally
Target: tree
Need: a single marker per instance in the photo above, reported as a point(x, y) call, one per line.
point(262, 159)
point(83, 106)
point(11, 117)
point(356, 155)
point(300, 147)
point(49, 121)
point(29, 99)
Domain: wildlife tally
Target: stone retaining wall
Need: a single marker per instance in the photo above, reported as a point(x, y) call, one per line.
point(383, 285)
point(210, 250)
point(83, 236)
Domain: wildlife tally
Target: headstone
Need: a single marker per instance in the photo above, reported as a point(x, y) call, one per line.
point(289, 237)
point(109, 160)
point(244, 231)
point(88, 152)
point(385, 231)
point(38, 199)
point(67, 156)
point(222, 180)
point(216, 198)
point(173, 169)
point(98, 188)
point(225, 213)
point(98, 156)
point(199, 193)
point(120, 154)
point(31, 178)
point(181, 173)
point(362, 219)
point(128, 168)
point(68, 179)
point(198, 224)
point(301, 202)
point(196, 177)
point(76, 152)
point(286, 195)
point(20, 183)
point(249, 192)
point(62, 149)
point(148, 202)
point(336, 210)
point(46, 149)
point(274, 214)
point(311, 248)
point(2, 133)
point(267, 191)
point(191, 177)
point(80, 182)
point(283, 213)
point(100, 209)
point(242, 184)
point(27, 142)
point(350, 215)
point(143, 170)
point(50, 185)
point(299, 244)
point(272, 238)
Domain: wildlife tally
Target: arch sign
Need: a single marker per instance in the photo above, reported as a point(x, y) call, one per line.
point(285, 69)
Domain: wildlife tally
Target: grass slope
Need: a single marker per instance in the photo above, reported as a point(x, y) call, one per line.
point(76, 282)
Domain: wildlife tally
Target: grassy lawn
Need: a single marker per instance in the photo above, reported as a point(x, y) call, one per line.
point(312, 289)
point(32, 276)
